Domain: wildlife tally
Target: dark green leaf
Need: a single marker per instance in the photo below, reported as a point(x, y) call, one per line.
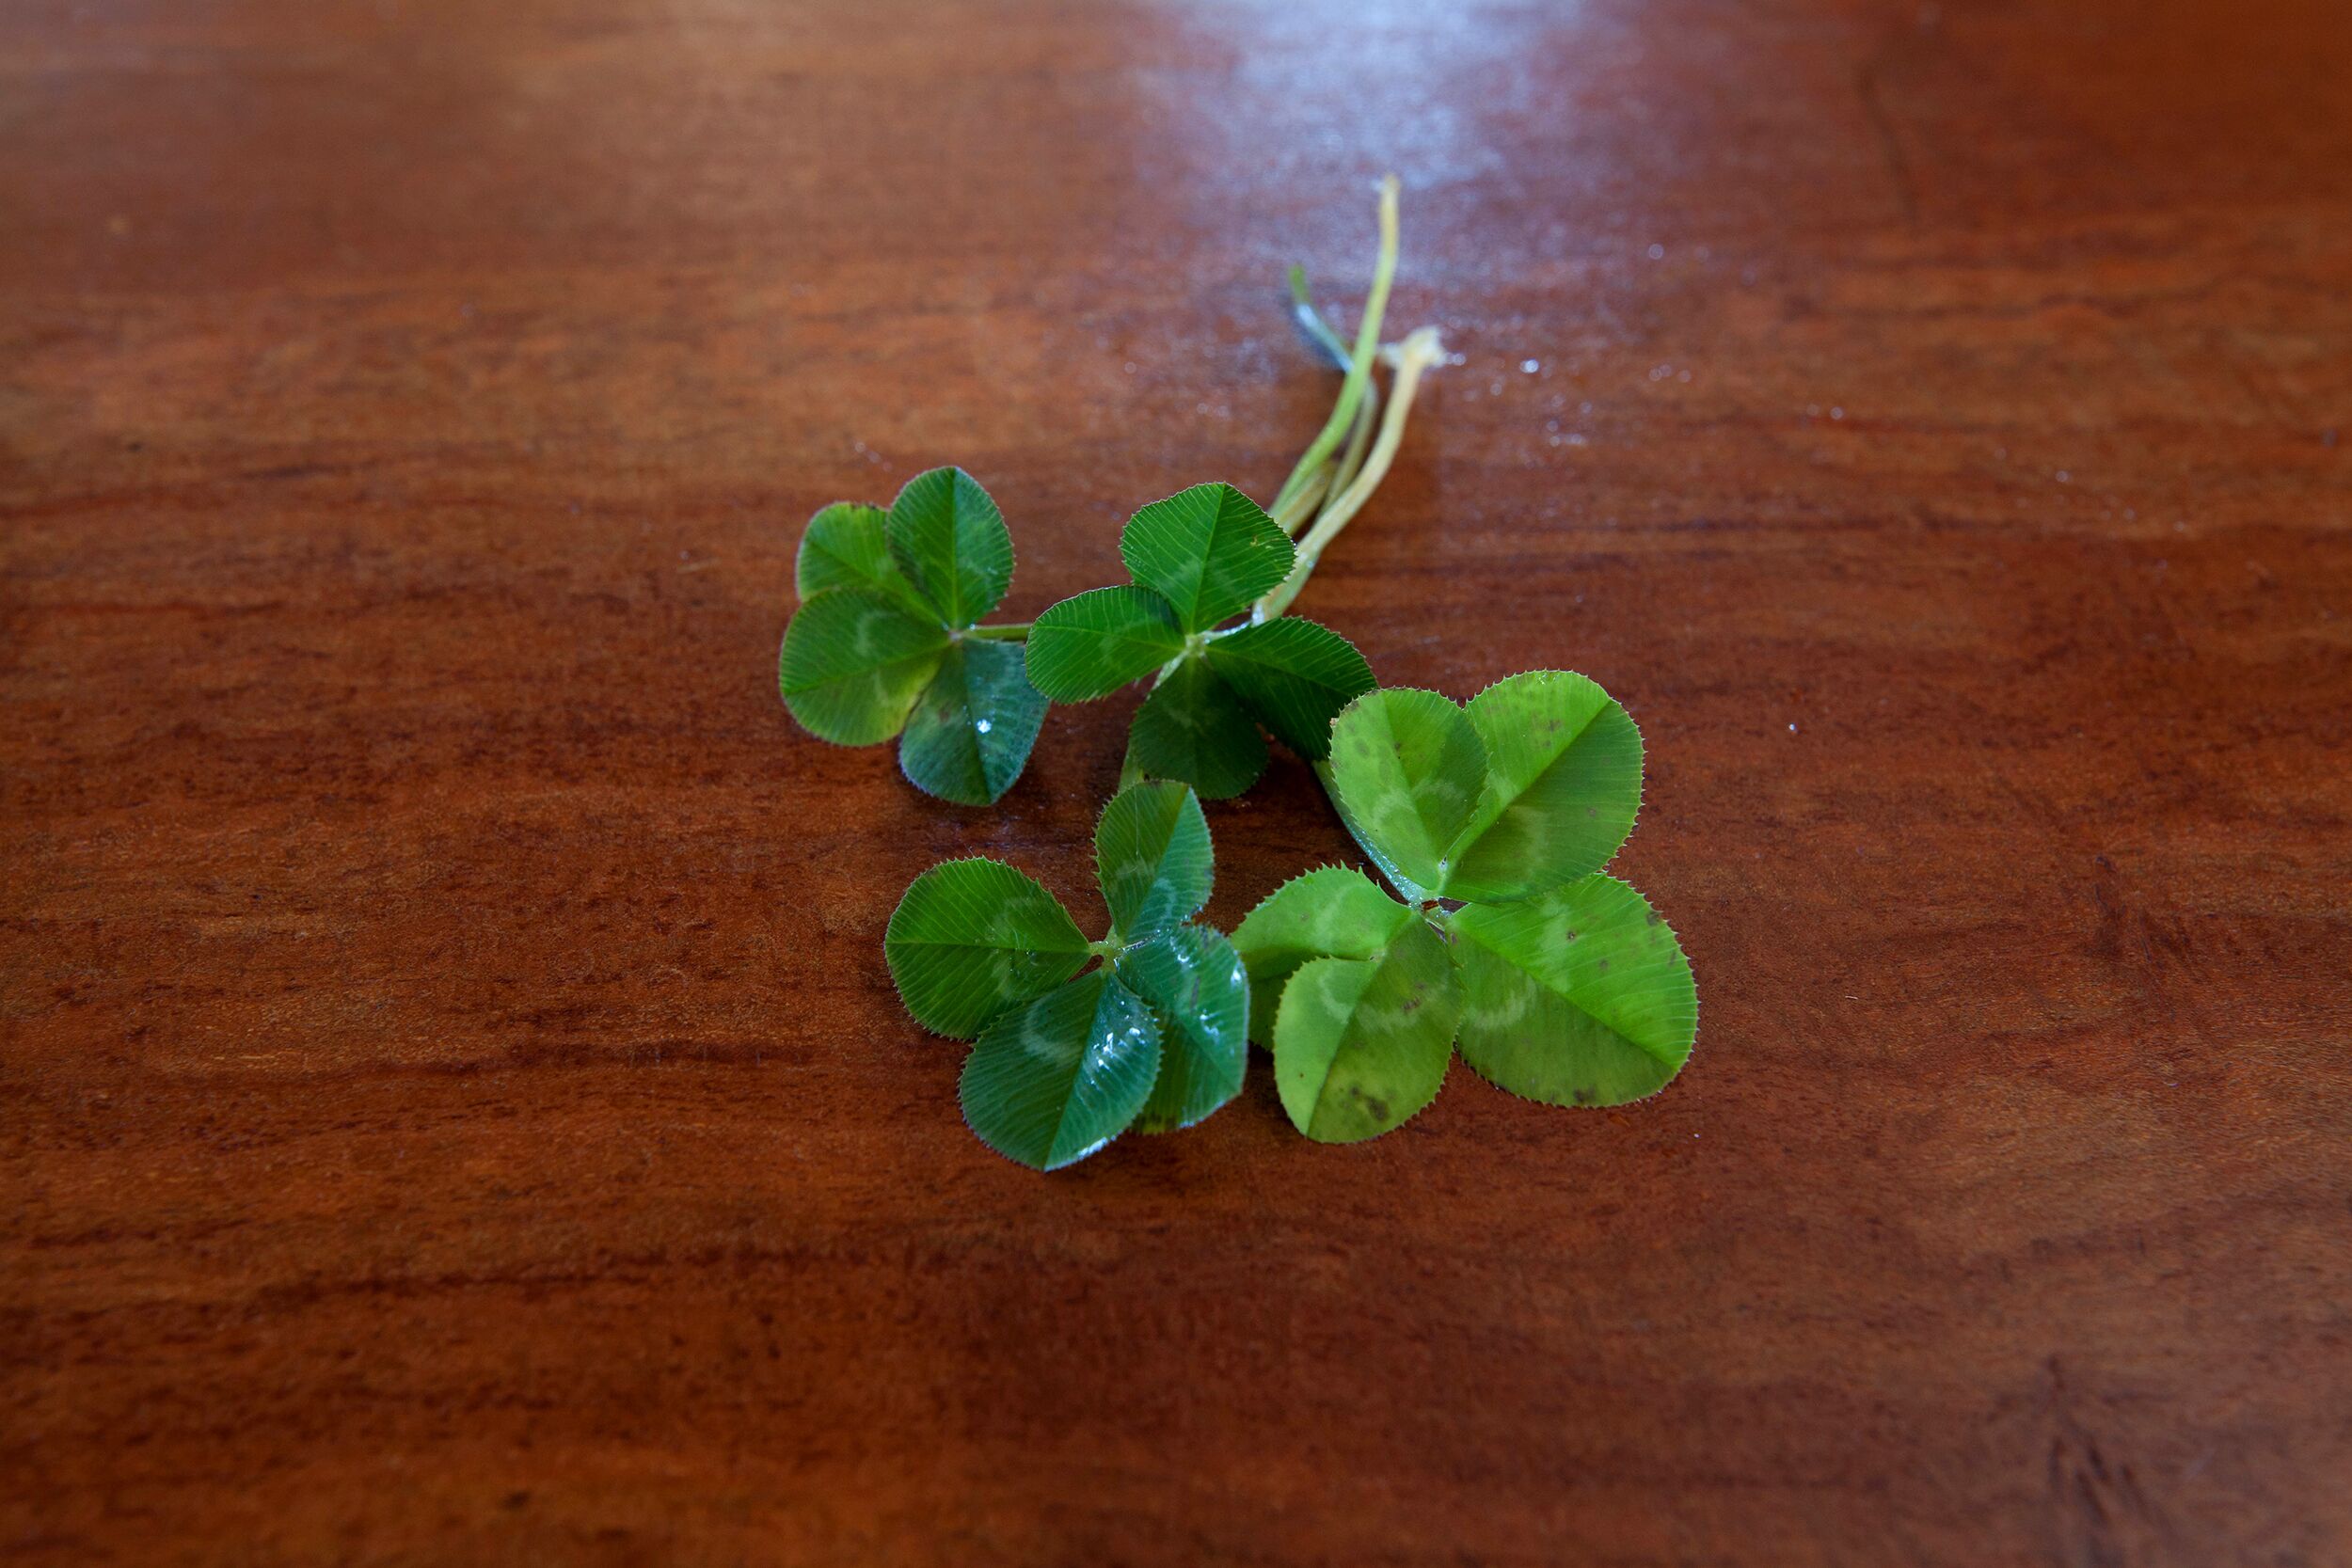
point(1090, 646)
point(1210, 551)
point(1407, 767)
point(1296, 677)
point(948, 538)
point(1360, 1045)
point(1331, 914)
point(1192, 728)
point(1580, 995)
point(1199, 993)
point(972, 937)
point(853, 664)
point(1052, 1081)
point(972, 731)
point(1563, 783)
point(1151, 854)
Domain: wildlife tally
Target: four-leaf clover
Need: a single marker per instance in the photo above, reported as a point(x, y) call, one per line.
point(1064, 1061)
point(885, 641)
point(1557, 982)
point(1198, 559)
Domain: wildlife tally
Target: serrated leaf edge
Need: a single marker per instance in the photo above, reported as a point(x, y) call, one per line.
point(800, 546)
point(1166, 1027)
point(1094, 854)
point(965, 860)
point(1696, 1006)
point(1640, 793)
point(1641, 799)
point(1138, 587)
point(781, 697)
point(1088, 1152)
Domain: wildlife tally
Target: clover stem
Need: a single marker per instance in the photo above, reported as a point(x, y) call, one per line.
point(1359, 366)
point(1419, 349)
point(1352, 460)
point(1012, 631)
point(1310, 321)
point(1291, 516)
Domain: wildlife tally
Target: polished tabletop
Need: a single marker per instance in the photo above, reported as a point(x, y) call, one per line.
point(452, 1105)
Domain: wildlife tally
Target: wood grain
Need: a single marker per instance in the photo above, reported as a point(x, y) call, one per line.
point(454, 1107)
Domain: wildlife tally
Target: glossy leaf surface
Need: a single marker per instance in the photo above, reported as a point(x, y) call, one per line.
point(1051, 1081)
point(1577, 996)
point(973, 937)
point(970, 734)
point(1209, 551)
point(1296, 675)
point(1360, 1045)
point(1090, 646)
point(1198, 993)
point(1334, 912)
point(1409, 769)
point(1564, 785)
point(853, 663)
point(1192, 728)
point(949, 540)
point(1152, 857)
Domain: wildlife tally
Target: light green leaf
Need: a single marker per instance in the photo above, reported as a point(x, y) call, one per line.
point(1331, 914)
point(1360, 1045)
point(1151, 854)
point(1564, 785)
point(972, 731)
point(1408, 769)
point(1209, 549)
point(1199, 993)
point(1580, 995)
point(948, 538)
point(1052, 1081)
point(853, 664)
point(1090, 646)
point(972, 937)
point(1192, 728)
point(844, 546)
point(1406, 889)
point(1296, 677)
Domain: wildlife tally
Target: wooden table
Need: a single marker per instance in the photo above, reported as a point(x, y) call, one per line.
point(456, 1108)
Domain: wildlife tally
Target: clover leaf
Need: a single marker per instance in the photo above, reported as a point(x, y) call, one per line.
point(1557, 982)
point(1050, 1082)
point(1200, 560)
point(1362, 1043)
point(1064, 1061)
point(1208, 550)
point(971, 936)
point(1193, 983)
point(886, 641)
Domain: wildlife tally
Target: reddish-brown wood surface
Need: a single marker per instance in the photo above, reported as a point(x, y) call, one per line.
point(454, 1107)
